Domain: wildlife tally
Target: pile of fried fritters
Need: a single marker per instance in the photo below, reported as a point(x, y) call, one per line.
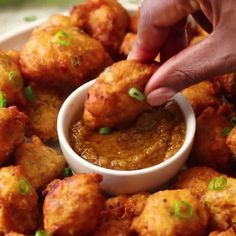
point(38, 193)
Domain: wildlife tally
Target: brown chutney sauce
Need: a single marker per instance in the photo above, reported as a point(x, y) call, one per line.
point(155, 136)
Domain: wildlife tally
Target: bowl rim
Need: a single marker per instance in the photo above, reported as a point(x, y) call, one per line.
point(190, 121)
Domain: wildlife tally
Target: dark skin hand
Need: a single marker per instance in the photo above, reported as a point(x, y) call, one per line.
point(162, 29)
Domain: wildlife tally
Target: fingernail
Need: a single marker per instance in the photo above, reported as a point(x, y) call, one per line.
point(160, 96)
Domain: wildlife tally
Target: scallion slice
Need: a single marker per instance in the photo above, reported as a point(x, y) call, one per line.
point(218, 183)
point(183, 210)
point(24, 186)
point(67, 172)
point(136, 94)
point(11, 76)
point(3, 101)
point(225, 132)
point(63, 38)
point(41, 233)
point(105, 130)
point(29, 94)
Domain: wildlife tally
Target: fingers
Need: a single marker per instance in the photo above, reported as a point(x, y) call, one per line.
point(203, 21)
point(157, 18)
point(194, 64)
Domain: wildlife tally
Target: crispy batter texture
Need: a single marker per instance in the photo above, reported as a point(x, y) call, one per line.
point(209, 147)
point(45, 60)
point(41, 163)
point(196, 179)
point(105, 20)
point(229, 232)
point(221, 205)
point(157, 217)
point(11, 82)
point(108, 102)
point(134, 22)
point(127, 43)
point(73, 205)
point(118, 214)
point(202, 95)
point(43, 112)
point(12, 130)
point(14, 234)
point(18, 212)
point(231, 141)
point(14, 55)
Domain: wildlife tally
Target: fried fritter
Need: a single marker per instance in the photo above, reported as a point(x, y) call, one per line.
point(231, 141)
point(73, 205)
point(43, 112)
point(62, 57)
point(41, 163)
point(18, 201)
point(209, 147)
point(57, 20)
point(105, 20)
point(202, 95)
point(109, 103)
point(221, 205)
point(228, 232)
point(127, 43)
point(172, 213)
point(14, 55)
point(12, 130)
point(196, 179)
point(14, 234)
point(134, 22)
point(11, 82)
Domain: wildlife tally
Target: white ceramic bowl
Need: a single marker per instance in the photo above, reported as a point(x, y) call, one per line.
point(116, 181)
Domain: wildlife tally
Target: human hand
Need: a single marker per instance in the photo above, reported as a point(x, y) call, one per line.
point(162, 29)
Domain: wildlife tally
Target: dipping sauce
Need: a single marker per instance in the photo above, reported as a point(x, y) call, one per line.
point(154, 137)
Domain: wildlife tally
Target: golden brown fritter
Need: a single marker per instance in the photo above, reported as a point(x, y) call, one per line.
point(18, 201)
point(127, 43)
point(14, 55)
point(134, 22)
point(209, 147)
point(73, 205)
point(57, 20)
point(13, 234)
point(12, 131)
point(62, 57)
point(11, 82)
point(202, 95)
point(105, 20)
point(161, 217)
point(231, 141)
point(109, 103)
point(43, 112)
point(196, 179)
point(228, 232)
point(221, 205)
point(41, 163)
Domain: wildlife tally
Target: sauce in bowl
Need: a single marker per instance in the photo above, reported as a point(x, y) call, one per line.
point(154, 137)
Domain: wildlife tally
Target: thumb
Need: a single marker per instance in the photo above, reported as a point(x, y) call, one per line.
point(205, 60)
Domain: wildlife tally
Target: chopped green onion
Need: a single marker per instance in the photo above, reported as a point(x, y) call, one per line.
point(67, 172)
point(183, 210)
point(24, 186)
point(11, 75)
point(63, 34)
point(105, 130)
point(30, 18)
point(233, 121)
point(29, 94)
point(3, 101)
point(136, 94)
point(225, 132)
point(41, 233)
point(218, 183)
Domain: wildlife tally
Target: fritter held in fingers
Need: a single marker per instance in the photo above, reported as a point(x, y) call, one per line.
point(134, 22)
point(12, 131)
point(11, 82)
point(105, 20)
point(209, 147)
point(228, 232)
point(18, 201)
point(41, 163)
point(117, 96)
point(62, 57)
point(72, 206)
point(220, 201)
point(172, 213)
point(127, 43)
point(202, 95)
point(231, 141)
point(43, 105)
point(196, 179)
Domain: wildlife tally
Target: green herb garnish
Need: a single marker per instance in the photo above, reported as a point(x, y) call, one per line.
point(136, 94)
